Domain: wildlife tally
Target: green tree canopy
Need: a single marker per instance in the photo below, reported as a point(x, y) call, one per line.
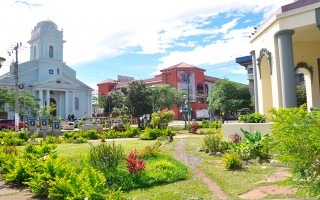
point(139, 99)
point(228, 96)
point(28, 104)
point(166, 96)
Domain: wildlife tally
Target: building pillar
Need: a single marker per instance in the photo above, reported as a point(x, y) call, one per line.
point(41, 97)
point(89, 106)
point(48, 97)
point(286, 61)
point(66, 106)
point(72, 103)
point(255, 84)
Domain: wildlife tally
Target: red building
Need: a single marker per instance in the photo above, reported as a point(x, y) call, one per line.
point(178, 76)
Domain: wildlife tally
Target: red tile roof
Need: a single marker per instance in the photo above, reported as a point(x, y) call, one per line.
point(181, 66)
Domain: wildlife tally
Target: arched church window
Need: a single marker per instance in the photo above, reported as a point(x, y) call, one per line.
point(51, 72)
point(50, 51)
point(76, 103)
point(207, 89)
point(200, 92)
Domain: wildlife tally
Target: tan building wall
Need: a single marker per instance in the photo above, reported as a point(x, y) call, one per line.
point(270, 46)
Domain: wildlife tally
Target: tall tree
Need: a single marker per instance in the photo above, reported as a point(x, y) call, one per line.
point(139, 99)
point(164, 97)
point(28, 104)
point(228, 96)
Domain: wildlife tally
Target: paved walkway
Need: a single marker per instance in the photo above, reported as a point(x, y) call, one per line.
point(14, 193)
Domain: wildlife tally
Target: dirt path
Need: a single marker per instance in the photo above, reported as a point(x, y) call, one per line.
point(192, 162)
point(257, 193)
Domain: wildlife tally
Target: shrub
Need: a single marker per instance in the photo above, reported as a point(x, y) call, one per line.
point(164, 170)
point(52, 140)
point(194, 127)
point(90, 134)
point(235, 138)
point(134, 164)
point(205, 124)
point(23, 135)
point(151, 134)
point(169, 132)
point(106, 157)
point(257, 145)
point(297, 144)
point(213, 141)
point(232, 160)
point(131, 131)
point(215, 124)
point(151, 151)
point(11, 139)
point(252, 118)
point(47, 170)
point(80, 140)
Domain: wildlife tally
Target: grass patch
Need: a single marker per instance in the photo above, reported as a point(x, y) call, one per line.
point(232, 182)
point(187, 189)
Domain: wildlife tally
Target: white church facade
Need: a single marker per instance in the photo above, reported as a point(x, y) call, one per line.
point(49, 78)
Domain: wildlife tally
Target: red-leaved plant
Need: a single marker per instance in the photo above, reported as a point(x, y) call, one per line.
point(194, 127)
point(134, 164)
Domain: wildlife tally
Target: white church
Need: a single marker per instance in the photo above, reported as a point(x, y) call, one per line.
point(49, 78)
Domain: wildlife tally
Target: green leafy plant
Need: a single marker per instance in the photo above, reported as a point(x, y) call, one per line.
point(215, 124)
point(232, 160)
point(252, 118)
point(151, 134)
point(205, 124)
point(297, 144)
point(106, 157)
point(257, 145)
point(213, 141)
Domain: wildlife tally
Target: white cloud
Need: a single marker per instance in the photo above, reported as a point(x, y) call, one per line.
point(95, 29)
point(240, 70)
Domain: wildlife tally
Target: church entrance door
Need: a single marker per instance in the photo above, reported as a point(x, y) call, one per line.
point(53, 104)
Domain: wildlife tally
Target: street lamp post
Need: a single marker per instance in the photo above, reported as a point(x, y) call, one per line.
point(16, 76)
point(153, 87)
point(109, 95)
point(184, 112)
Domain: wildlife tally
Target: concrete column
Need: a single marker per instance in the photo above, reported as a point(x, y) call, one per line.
point(89, 106)
point(48, 97)
point(66, 106)
point(41, 97)
point(289, 96)
point(255, 87)
point(72, 103)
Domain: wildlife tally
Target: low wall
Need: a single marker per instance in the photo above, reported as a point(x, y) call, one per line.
point(232, 128)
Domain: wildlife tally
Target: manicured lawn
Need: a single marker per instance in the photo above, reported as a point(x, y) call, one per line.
point(188, 189)
point(192, 188)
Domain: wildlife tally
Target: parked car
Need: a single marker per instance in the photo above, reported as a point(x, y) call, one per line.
point(117, 125)
point(9, 124)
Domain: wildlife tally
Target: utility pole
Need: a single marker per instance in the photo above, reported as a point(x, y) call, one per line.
point(16, 77)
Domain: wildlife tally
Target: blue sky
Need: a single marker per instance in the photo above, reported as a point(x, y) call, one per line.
point(138, 38)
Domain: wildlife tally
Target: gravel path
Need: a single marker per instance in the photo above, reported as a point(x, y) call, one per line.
point(192, 162)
